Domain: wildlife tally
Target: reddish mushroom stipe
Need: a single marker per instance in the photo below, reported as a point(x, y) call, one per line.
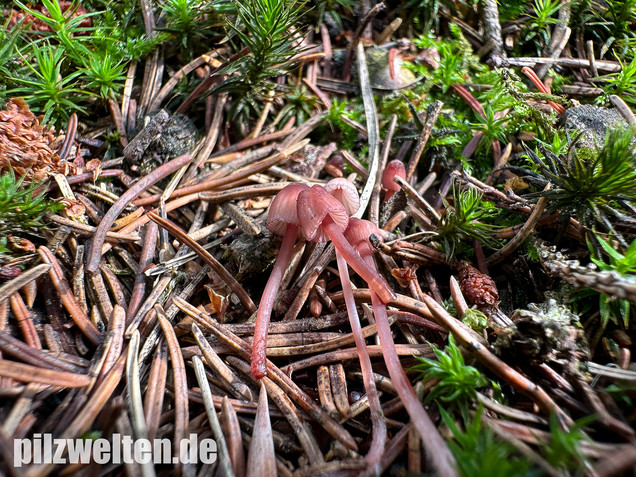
point(282, 220)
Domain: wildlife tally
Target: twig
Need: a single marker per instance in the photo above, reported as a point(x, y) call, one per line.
point(71, 130)
point(178, 76)
point(15, 284)
point(492, 27)
point(213, 419)
point(374, 204)
point(371, 116)
point(348, 63)
point(589, 45)
point(432, 113)
point(36, 374)
point(219, 269)
point(95, 254)
point(135, 405)
point(520, 237)
point(560, 35)
point(530, 62)
point(180, 385)
point(623, 109)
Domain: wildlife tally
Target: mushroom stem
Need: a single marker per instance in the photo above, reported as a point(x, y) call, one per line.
point(259, 345)
point(433, 442)
point(388, 194)
point(378, 440)
point(368, 273)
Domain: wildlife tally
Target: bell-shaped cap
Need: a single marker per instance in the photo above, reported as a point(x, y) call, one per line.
point(283, 210)
point(359, 231)
point(314, 205)
point(345, 192)
point(393, 168)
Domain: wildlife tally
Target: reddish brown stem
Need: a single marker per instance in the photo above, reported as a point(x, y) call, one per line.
point(379, 425)
point(541, 87)
point(259, 356)
point(470, 99)
point(159, 173)
point(433, 442)
point(368, 274)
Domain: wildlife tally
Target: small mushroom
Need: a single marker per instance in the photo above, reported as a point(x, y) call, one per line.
point(282, 220)
point(323, 217)
point(345, 192)
point(393, 168)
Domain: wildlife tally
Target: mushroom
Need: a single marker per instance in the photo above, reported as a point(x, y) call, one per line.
point(323, 217)
point(358, 234)
point(393, 168)
point(282, 220)
point(346, 193)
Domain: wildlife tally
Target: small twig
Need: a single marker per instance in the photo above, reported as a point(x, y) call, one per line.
point(417, 199)
point(492, 26)
point(217, 365)
point(95, 254)
point(560, 35)
point(232, 432)
point(373, 127)
point(36, 374)
point(26, 277)
point(356, 165)
point(610, 66)
point(213, 419)
point(153, 400)
point(374, 204)
point(432, 113)
point(219, 269)
point(71, 130)
point(623, 109)
point(178, 76)
point(180, 381)
point(125, 100)
point(589, 45)
point(520, 237)
point(348, 63)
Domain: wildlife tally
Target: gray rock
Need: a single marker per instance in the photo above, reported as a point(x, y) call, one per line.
point(592, 122)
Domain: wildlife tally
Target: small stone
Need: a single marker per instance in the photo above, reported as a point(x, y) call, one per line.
point(592, 122)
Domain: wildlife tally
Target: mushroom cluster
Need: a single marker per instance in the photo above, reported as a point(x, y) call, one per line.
point(321, 214)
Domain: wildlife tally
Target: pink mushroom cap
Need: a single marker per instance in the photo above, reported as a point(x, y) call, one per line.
point(314, 205)
point(360, 230)
point(283, 210)
point(393, 168)
point(345, 192)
